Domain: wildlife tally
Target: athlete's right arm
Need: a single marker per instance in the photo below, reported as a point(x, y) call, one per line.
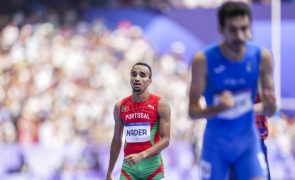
point(116, 141)
point(197, 87)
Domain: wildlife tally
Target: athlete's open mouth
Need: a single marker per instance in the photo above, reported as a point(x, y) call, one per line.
point(136, 84)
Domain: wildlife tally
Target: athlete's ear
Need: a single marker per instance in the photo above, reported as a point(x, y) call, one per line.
point(150, 81)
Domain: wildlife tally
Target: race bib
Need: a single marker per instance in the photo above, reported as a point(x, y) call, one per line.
point(243, 104)
point(137, 132)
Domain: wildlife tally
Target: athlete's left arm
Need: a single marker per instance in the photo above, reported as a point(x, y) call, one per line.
point(164, 115)
point(267, 83)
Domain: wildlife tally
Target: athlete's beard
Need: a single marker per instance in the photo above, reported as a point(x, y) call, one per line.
point(237, 46)
point(136, 90)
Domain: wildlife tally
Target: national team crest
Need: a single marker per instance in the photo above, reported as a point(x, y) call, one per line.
point(249, 68)
point(124, 108)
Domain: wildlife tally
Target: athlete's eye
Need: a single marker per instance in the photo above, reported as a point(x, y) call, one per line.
point(244, 28)
point(142, 74)
point(133, 74)
point(233, 29)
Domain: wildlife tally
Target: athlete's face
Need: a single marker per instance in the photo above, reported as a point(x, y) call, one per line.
point(236, 31)
point(139, 78)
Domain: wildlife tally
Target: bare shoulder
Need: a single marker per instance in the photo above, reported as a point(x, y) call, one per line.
point(199, 64)
point(266, 55)
point(266, 60)
point(117, 106)
point(199, 58)
point(116, 111)
point(163, 107)
point(199, 67)
point(265, 52)
point(163, 103)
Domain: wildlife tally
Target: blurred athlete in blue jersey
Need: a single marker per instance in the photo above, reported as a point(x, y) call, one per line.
point(227, 75)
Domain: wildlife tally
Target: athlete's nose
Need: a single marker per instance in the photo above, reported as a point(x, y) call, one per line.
point(137, 78)
point(240, 35)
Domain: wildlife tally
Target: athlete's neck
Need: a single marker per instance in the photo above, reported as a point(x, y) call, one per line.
point(140, 97)
point(232, 53)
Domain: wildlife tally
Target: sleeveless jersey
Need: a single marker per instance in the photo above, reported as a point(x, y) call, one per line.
point(141, 123)
point(261, 123)
point(240, 78)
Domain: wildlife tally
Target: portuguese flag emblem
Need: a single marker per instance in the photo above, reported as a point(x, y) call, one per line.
point(124, 108)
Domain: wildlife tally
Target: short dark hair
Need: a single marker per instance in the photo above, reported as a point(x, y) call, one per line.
point(231, 9)
point(144, 64)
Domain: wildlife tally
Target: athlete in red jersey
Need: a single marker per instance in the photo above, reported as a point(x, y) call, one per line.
point(145, 120)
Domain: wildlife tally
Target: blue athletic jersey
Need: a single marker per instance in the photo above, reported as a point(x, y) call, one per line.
point(235, 126)
point(238, 77)
point(231, 138)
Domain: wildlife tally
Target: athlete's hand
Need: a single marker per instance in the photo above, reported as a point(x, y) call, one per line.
point(226, 100)
point(133, 159)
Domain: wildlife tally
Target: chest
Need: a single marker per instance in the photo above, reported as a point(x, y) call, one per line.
point(139, 112)
point(232, 76)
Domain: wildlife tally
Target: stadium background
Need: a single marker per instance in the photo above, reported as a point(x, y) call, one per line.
point(64, 64)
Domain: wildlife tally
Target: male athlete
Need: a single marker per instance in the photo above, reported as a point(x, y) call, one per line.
point(227, 75)
point(145, 119)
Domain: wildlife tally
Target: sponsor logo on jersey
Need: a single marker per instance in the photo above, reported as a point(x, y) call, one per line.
point(152, 107)
point(219, 69)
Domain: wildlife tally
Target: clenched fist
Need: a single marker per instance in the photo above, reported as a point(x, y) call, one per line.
point(226, 100)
